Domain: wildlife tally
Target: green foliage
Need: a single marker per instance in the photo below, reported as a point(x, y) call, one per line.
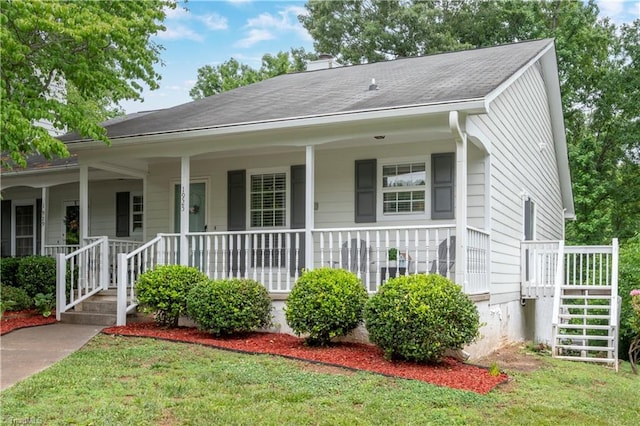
point(164, 289)
point(628, 279)
point(18, 297)
point(37, 274)
point(9, 270)
point(67, 62)
point(44, 303)
point(325, 303)
point(419, 317)
point(229, 306)
point(232, 74)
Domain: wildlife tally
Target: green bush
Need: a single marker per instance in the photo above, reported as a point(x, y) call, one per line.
point(18, 296)
point(325, 303)
point(419, 317)
point(37, 274)
point(9, 270)
point(628, 279)
point(229, 306)
point(164, 289)
point(44, 303)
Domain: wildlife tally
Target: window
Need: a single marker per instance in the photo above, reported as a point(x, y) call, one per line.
point(268, 195)
point(403, 188)
point(137, 210)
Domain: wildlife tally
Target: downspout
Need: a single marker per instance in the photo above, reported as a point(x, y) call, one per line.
point(460, 138)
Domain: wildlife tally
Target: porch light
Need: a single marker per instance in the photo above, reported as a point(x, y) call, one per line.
point(194, 209)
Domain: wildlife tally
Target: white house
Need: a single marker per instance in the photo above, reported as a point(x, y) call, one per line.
point(451, 161)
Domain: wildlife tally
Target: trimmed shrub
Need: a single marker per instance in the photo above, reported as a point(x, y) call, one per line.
point(18, 296)
point(229, 306)
point(164, 289)
point(325, 303)
point(629, 279)
point(419, 317)
point(37, 274)
point(9, 270)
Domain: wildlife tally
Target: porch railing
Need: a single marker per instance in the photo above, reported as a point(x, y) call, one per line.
point(539, 261)
point(378, 253)
point(276, 258)
point(81, 274)
point(162, 250)
point(53, 249)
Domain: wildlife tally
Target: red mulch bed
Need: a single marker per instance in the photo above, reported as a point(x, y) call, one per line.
point(449, 373)
point(14, 320)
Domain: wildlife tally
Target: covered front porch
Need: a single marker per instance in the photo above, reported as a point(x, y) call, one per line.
point(275, 259)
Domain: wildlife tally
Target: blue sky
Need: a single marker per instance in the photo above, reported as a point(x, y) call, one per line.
point(210, 32)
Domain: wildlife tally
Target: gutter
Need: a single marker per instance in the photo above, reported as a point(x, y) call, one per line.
point(474, 105)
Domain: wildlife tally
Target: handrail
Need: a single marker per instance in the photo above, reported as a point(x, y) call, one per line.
point(383, 228)
point(91, 277)
point(125, 274)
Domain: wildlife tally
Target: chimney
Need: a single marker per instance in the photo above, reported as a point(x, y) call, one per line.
point(323, 62)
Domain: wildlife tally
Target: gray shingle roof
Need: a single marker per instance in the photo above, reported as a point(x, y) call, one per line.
point(446, 77)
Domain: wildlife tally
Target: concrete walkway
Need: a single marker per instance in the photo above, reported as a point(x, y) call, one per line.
point(29, 350)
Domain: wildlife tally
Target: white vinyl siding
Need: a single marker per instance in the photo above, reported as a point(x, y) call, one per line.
point(518, 125)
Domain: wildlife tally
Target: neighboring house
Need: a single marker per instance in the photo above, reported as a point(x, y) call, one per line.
point(43, 199)
point(444, 163)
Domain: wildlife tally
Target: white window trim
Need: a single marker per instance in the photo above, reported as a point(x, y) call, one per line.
point(287, 213)
point(22, 203)
point(131, 213)
point(172, 197)
point(381, 216)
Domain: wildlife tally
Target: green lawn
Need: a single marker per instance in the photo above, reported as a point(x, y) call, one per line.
point(116, 380)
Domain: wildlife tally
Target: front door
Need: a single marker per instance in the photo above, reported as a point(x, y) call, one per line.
point(71, 223)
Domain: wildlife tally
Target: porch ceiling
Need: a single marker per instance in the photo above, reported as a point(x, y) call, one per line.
point(425, 128)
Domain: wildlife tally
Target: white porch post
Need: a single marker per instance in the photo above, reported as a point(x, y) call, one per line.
point(461, 199)
point(184, 210)
point(309, 211)
point(84, 203)
point(144, 208)
point(44, 214)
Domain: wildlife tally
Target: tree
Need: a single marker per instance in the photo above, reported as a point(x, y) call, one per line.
point(598, 69)
point(67, 63)
point(232, 74)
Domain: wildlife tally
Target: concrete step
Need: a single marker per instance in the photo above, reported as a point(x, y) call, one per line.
point(99, 305)
point(93, 318)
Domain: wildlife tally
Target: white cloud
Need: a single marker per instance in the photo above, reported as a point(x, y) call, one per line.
point(254, 36)
point(214, 21)
point(619, 11)
point(239, 2)
point(267, 26)
point(179, 32)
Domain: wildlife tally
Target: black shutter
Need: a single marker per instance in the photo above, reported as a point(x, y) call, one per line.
point(237, 217)
point(236, 200)
point(122, 214)
point(442, 186)
point(5, 225)
point(298, 186)
point(365, 203)
point(38, 225)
